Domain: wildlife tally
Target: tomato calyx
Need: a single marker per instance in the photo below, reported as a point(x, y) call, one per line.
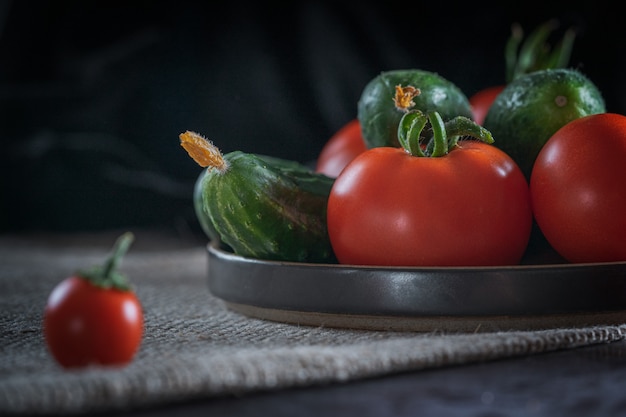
point(523, 56)
point(107, 276)
point(535, 53)
point(444, 135)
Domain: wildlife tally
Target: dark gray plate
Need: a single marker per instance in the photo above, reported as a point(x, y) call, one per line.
point(424, 298)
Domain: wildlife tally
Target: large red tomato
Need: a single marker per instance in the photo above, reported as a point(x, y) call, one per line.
point(340, 149)
point(469, 207)
point(578, 192)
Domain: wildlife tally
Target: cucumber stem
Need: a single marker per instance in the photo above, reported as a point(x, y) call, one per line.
point(404, 96)
point(203, 151)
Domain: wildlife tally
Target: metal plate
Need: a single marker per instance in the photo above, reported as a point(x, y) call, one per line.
point(424, 298)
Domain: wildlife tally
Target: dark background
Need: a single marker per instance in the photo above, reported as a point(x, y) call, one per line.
point(93, 94)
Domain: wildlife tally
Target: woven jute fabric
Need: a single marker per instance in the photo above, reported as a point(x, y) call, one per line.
point(195, 347)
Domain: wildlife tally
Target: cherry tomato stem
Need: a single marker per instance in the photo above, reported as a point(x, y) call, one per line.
point(106, 275)
point(119, 250)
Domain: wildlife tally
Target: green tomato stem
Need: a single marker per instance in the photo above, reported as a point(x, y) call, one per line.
point(534, 48)
point(119, 250)
point(561, 55)
point(440, 137)
point(445, 135)
point(510, 51)
point(107, 276)
point(409, 131)
point(534, 52)
point(462, 126)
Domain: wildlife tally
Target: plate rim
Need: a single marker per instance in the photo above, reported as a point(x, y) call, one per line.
point(524, 293)
point(215, 246)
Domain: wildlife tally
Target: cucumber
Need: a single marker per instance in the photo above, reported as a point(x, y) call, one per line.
point(534, 106)
point(388, 96)
point(260, 206)
point(198, 207)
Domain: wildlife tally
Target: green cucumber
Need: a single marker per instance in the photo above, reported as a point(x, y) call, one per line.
point(198, 206)
point(391, 94)
point(261, 207)
point(534, 106)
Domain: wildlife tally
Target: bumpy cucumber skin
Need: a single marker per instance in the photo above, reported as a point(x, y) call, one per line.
point(268, 208)
point(198, 207)
point(526, 113)
point(379, 117)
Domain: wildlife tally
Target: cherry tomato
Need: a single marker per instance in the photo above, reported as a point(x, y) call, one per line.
point(93, 317)
point(577, 189)
point(481, 101)
point(469, 207)
point(341, 148)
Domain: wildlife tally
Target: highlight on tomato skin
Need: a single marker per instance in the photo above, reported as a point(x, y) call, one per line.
point(340, 149)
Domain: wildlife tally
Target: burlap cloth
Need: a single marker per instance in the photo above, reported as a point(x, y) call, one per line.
point(194, 347)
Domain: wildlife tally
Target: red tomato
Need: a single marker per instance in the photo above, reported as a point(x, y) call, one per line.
point(469, 207)
point(87, 324)
point(577, 189)
point(482, 100)
point(342, 148)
